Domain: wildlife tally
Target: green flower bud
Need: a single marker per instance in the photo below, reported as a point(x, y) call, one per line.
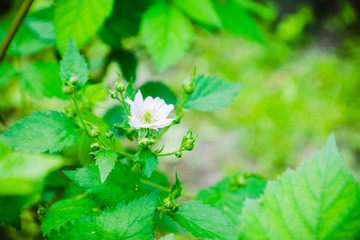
point(73, 80)
point(189, 146)
point(67, 88)
point(145, 142)
point(188, 88)
point(114, 95)
point(120, 86)
point(41, 211)
point(169, 203)
point(109, 134)
point(177, 120)
point(124, 128)
point(94, 133)
point(178, 154)
point(188, 140)
point(95, 147)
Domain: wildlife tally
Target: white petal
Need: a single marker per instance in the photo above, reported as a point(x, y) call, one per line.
point(138, 99)
point(148, 102)
point(160, 104)
point(134, 122)
point(165, 110)
point(162, 123)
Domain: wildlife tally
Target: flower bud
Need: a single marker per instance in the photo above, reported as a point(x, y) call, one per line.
point(109, 134)
point(188, 140)
point(120, 86)
point(73, 80)
point(94, 133)
point(114, 95)
point(189, 147)
point(67, 88)
point(188, 87)
point(94, 147)
point(145, 142)
point(169, 203)
point(178, 154)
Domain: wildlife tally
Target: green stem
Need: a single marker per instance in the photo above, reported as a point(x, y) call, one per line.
point(125, 154)
point(20, 15)
point(74, 99)
point(166, 154)
point(167, 189)
point(124, 103)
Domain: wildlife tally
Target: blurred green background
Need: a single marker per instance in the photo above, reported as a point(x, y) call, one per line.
point(299, 61)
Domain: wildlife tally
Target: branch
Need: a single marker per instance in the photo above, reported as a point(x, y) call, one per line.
point(20, 15)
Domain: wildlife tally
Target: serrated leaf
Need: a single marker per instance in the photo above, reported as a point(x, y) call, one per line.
point(147, 160)
point(158, 89)
point(79, 19)
point(121, 185)
point(105, 160)
point(41, 79)
point(212, 94)
point(67, 210)
point(131, 221)
point(229, 198)
point(74, 64)
point(166, 44)
point(203, 221)
point(176, 188)
point(320, 200)
point(202, 11)
point(7, 72)
point(43, 131)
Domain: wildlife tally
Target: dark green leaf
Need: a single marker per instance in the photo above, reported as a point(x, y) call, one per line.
point(212, 94)
point(74, 64)
point(7, 72)
point(320, 200)
point(105, 160)
point(116, 114)
point(79, 19)
point(41, 79)
point(158, 89)
point(166, 44)
point(147, 160)
point(132, 221)
point(43, 131)
point(121, 184)
point(202, 11)
point(128, 63)
point(64, 211)
point(203, 221)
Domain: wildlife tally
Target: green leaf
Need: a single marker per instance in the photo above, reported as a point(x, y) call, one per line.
point(238, 20)
point(7, 72)
point(203, 221)
point(79, 19)
point(176, 188)
point(212, 94)
point(147, 160)
point(128, 63)
point(74, 64)
point(116, 114)
point(131, 221)
point(166, 44)
point(43, 131)
point(202, 11)
point(124, 21)
point(23, 173)
point(42, 79)
point(229, 197)
point(158, 89)
point(121, 185)
point(64, 211)
point(130, 88)
point(320, 200)
point(11, 207)
point(40, 23)
point(105, 160)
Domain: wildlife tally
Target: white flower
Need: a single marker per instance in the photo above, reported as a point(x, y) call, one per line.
point(149, 113)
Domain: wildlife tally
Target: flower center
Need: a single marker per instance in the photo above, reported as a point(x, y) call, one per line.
point(147, 117)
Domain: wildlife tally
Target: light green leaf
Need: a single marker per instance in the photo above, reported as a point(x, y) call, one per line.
point(7, 72)
point(158, 89)
point(79, 19)
point(202, 11)
point(42, 79)
point(67, 210)
point(166, 44)
point(132, 221)
point(105, 160)
point(203, 221)
point(147, 160)
point(121, 185)
point(212, 94)
point(176, 188)
point(40, 23)
point(228, 195)
point(43, 131)
point(320, 200)
point(74, 64)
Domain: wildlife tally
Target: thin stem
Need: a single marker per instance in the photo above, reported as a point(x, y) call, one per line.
point(124, 104)
point(125, 154)
point(20, 15)
point(167, 189)
point(74, 98)
point(166, 154)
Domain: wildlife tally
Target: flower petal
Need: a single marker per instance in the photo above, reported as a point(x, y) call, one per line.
point(165, 110)
point(162, 123)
